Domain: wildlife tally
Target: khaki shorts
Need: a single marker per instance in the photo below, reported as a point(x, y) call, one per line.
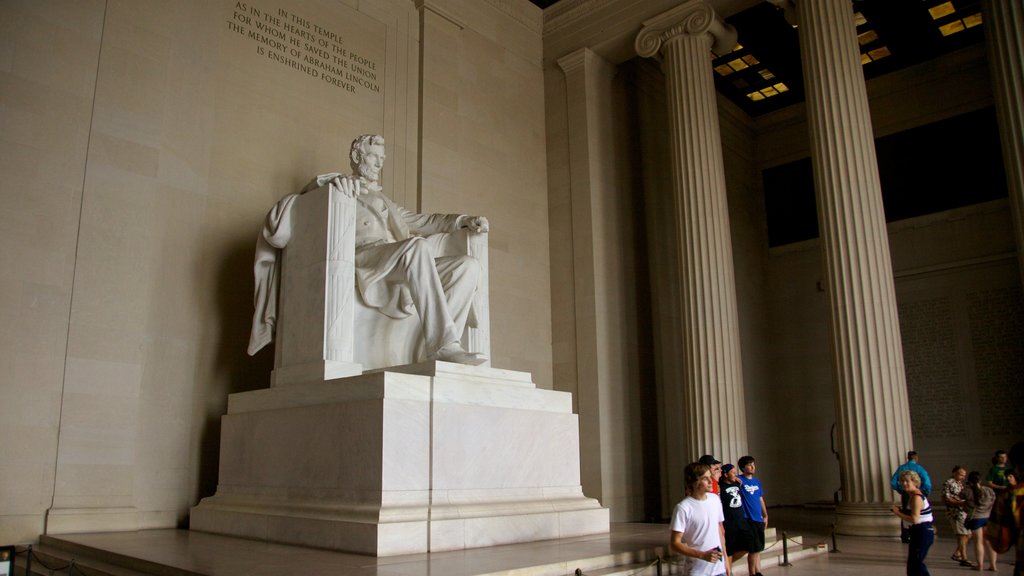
point(958, 526)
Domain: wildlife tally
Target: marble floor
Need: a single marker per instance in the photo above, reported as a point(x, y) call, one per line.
point(198, 553)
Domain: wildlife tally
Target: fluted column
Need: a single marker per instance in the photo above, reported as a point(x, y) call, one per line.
point(713, 387)
point(1004, 35)
point(872, 412)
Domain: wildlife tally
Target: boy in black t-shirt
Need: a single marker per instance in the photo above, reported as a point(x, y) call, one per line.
point(738, 538)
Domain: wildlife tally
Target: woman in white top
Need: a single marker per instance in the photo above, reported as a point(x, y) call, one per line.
point(697, 529)
point(917, 513)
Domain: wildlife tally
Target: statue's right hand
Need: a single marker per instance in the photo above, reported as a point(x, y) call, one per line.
point(349, 186)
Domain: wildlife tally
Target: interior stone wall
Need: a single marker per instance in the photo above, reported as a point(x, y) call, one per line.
point(484, 152)
point(597, 272)
point(962, 324)
point(48, 59)
point(750, 252)
point(783, 320)
point(662, 256)
point(142, 144)
point(940, 262)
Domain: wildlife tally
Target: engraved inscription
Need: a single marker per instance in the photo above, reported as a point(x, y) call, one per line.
point(929, 352)
point(997, 337)
point(293, 40)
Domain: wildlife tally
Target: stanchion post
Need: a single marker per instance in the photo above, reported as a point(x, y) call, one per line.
point(71, 568)
point(835, 548)
point(785, 550)
point(659, 565)
point(28, 561)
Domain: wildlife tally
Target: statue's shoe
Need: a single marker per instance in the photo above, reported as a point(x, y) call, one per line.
point(458, 355)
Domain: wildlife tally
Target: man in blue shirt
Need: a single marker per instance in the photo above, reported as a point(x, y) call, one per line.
point(755, 511)
point(926, 486)
point(911, 464)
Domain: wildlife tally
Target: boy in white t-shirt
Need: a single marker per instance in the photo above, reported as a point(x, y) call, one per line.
point(698, 532)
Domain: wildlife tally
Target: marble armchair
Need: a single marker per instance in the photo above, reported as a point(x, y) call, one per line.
point(324, 330)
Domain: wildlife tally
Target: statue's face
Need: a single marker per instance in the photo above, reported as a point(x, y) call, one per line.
point(371, 162)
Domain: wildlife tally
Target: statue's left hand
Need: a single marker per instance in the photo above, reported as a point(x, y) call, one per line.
point(476, 223)
point(350, 186)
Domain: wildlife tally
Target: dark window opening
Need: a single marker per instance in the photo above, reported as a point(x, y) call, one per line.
point(948, 164)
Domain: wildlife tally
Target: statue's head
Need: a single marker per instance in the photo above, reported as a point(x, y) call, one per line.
point(367, 156)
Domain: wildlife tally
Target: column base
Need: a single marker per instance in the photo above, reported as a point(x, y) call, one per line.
point(867, 519)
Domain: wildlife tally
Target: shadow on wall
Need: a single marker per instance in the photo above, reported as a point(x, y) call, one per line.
point(232, 369)
point(235, 287)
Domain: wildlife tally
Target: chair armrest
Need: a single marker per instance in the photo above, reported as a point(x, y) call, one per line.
point(465, 242)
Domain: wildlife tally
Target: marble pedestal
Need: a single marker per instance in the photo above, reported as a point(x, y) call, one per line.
point(420, 458)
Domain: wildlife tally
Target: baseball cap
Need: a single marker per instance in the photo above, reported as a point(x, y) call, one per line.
point(708, 459)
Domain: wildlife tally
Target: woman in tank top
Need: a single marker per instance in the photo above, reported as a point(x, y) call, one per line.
point(979, 501)
point(917, 513)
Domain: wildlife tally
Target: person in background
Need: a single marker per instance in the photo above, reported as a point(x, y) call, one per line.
point(918, 514)
point(756, 512)
point(716, 470)
point(894, 483)
point(697, 530)
point(978, 502)
point(996, 477)
point(1017, 504)
point(952, 491)
point(1001, 527)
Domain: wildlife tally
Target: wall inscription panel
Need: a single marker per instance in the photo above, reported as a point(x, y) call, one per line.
point(313, 47)
point(318, 64)
point(963, 336)
point(996, 320)
point(930, 357)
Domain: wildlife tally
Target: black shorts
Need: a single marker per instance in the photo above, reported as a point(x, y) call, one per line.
point(738, 537)
point(757, 531)
point(975, 524)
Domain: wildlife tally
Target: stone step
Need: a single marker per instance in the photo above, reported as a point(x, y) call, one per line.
point(53, 555)
point(635, 553)
point(591, 565)
point(50, 561)
point(648, 565)
point(669, 567)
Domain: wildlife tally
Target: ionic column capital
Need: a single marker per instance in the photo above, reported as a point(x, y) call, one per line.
point(693, 17)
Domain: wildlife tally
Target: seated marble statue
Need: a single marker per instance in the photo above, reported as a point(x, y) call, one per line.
point(397, 271)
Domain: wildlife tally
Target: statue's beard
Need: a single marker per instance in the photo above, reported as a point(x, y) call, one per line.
point(371, 185)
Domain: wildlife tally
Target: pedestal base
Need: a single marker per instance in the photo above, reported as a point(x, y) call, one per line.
point(867, 520)
point(442, 457)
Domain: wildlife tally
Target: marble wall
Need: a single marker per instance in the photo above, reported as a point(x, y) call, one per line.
point(45, 116)
point(783, 316)
point(939, 260)
point(483, 152)
point(142, 144)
